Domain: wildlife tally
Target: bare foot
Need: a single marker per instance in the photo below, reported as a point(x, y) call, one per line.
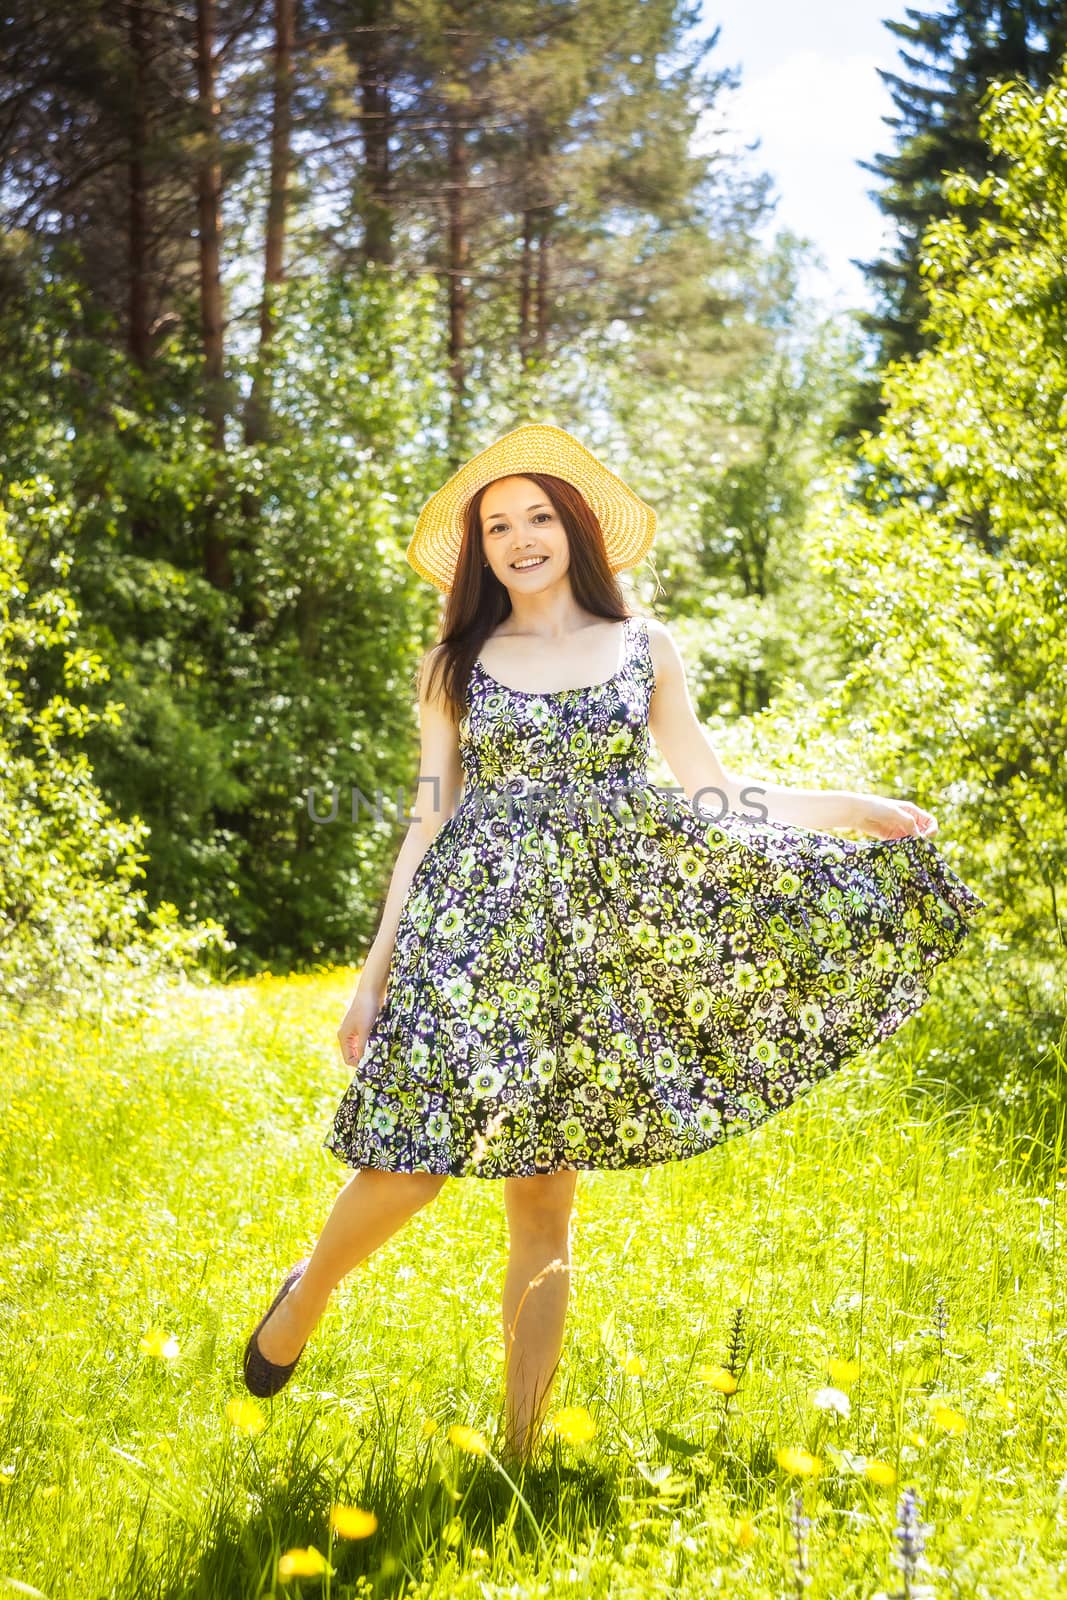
point(284, 1333)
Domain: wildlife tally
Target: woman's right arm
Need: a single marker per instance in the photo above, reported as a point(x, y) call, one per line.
point(440, 777)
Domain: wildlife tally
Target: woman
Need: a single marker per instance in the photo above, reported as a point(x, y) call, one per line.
point(574, 968)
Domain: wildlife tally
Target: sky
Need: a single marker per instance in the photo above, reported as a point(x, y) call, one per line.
point(810, 92)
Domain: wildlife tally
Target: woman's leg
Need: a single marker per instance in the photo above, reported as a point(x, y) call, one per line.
point(369, 1209)
point(536, 1290)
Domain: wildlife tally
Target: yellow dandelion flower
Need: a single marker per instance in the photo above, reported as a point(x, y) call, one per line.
point(573, 1424)
point(429, 1425)
point(245, 1416)
point(745, 1532)
point(720, 1378)
point(883, 1473)
point(352, 1522)
point(309, 1563)
point(945, 1417)
point(634, 1366)
point(158, 1342)
point(792, 1459)
point(843, 1373)
point(468, 1439)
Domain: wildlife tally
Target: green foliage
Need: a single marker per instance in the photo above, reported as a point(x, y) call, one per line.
point(239, 700)
point(75, 929)
point(953, 606)
point(734, 432)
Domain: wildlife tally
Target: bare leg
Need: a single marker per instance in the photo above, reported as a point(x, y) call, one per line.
point(536, 1291)
point(369, 1209)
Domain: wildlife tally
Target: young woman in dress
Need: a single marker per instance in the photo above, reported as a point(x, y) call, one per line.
point(552, 990)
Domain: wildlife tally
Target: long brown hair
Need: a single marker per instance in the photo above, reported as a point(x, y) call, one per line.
point(477, 601)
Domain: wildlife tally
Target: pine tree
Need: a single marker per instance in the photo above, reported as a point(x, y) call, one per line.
point(958, 52)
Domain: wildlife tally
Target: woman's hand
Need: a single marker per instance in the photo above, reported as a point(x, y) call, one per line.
point(358, 1021)
point(891, 819)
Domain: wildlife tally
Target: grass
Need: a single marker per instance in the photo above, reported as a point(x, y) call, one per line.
point(775, 1351)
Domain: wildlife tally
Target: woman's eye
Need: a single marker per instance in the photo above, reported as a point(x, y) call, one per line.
point(501, 527)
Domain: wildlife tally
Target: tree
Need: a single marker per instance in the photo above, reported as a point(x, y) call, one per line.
point(965, 48)
point(958, 627)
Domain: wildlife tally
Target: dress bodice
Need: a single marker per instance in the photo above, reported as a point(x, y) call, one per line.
point(524, 742)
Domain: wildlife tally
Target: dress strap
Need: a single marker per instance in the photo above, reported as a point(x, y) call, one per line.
point(638, 650)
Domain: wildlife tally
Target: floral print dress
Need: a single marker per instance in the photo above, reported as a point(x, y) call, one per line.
point(593, 971)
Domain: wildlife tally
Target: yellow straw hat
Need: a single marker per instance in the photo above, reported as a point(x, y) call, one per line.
point(629, 525)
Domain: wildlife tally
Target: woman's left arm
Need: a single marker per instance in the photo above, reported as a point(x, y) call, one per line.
point(712, 789)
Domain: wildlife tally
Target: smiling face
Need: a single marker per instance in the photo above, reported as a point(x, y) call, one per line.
point(519, 521)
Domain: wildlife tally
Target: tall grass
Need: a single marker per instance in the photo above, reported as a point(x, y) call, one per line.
point(826, 1359)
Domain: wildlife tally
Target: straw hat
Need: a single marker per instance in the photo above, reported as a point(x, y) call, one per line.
point(629, 524)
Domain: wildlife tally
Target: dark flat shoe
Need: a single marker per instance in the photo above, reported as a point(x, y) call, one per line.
point(263, 1377)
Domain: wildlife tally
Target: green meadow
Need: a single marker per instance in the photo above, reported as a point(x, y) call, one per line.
point(825, 1359)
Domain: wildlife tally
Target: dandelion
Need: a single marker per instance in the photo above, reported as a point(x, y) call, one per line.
point(309, 1563)
point(792, 1459)
point(468, 1439)
point(832, 1400)
point(245, 1416)
point(945, 1417)
point(573, 1424)
point(634, 1366)
point(883, 1473)
point(157, 1342)
point(745, 1533)
point(843, 1373)
point(720, 1378)
point(352, 1522)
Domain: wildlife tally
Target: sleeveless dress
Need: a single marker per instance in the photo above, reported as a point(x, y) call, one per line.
point(591, 971)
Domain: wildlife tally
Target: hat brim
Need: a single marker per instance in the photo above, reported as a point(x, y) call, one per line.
point(627, 522)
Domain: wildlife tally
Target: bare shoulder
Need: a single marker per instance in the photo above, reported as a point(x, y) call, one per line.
point(435, 653)
point(430, 672)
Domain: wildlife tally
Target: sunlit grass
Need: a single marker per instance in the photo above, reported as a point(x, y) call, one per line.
point(789, 1362)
